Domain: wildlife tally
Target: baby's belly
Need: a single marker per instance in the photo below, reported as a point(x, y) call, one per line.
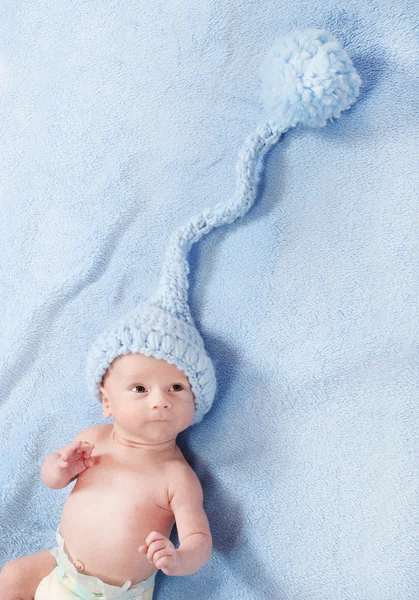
point(105, 530)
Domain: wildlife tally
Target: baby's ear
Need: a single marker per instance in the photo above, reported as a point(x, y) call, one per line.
point(106, 410)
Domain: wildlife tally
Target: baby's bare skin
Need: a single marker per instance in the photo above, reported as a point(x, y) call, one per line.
point(115, 505)
point(132, 484)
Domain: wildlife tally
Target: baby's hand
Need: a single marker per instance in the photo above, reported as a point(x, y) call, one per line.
point(161, 552)
point(75, 458)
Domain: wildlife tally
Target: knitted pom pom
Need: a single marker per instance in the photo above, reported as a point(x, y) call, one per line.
point(308, 78)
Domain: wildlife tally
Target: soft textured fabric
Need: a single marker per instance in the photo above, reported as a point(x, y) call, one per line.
point(65, 581)
point(120, 120)
point(51, 588)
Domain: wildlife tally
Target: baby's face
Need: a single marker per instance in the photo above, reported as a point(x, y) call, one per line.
point(147, 397)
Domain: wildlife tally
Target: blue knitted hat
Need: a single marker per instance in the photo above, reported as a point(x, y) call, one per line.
point(307, 78)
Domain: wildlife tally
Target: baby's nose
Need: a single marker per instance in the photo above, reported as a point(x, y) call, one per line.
point(160, 401)
point(161, 404)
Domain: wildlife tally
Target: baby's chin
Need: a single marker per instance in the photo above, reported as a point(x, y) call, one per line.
point(160, 428)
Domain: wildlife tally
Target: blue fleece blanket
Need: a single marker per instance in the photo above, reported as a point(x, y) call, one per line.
point(120, 121)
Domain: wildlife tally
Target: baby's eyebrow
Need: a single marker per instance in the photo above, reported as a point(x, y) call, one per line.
point(133, 378)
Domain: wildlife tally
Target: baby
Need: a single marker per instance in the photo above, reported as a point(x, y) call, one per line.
point(133, 483)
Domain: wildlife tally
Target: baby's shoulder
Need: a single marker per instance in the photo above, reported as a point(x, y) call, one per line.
point(181, 471)
point(94, 433)
point(183, 483)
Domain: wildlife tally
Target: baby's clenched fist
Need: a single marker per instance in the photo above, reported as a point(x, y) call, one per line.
point(161, 552)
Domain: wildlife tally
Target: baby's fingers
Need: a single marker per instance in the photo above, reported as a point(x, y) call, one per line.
point(77, 448)
point(70, 449)
point(158, 549)
point(88, 450)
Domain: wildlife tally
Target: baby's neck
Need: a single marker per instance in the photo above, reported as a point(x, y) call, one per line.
point(165, 449)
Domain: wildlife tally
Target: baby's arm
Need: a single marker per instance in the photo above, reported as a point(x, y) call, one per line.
point(186, 501)
point(64, 465)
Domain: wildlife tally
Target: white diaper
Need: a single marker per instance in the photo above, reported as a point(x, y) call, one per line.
point(65, 582)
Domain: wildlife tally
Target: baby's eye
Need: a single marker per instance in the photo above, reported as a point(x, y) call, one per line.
point(141, 389)
point(138, 386)
point(179, 386)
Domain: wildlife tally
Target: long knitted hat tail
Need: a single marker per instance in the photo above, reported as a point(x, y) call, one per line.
point(308, 79)
point(173, 286)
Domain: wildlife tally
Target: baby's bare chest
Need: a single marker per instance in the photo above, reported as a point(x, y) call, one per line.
point(113, 477)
